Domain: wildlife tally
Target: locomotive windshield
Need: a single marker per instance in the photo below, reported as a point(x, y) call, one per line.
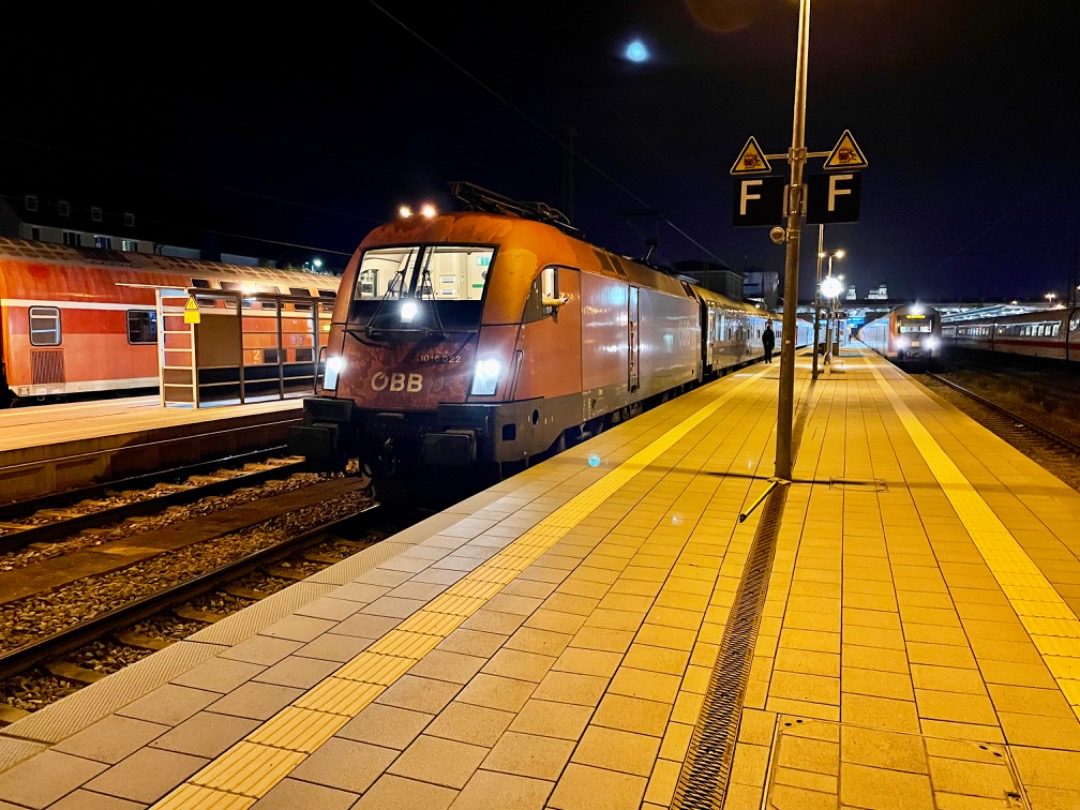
point(440, 272)
point(420, 289)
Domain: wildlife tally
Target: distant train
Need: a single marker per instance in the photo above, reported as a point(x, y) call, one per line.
point(909, 336)
point(488, 338)
point(85, 322)
point(1052, 334)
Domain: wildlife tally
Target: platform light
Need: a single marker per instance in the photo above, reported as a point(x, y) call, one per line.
point(831, 286)
point(408, 310)
point(486, 376)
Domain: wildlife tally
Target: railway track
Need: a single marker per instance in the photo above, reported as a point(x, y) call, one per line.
point(57, 516)
point(51, 665)
point(1052, 377)
point(1021, 432)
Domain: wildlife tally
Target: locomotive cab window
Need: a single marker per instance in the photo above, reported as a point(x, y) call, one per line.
point(44, 326)
point(422, 286)
point(141, 326)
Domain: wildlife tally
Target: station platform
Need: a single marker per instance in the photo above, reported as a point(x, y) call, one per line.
point(631, 624)
point(46, 449)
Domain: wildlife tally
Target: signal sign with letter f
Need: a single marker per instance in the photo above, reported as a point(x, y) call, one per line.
point(758, 201)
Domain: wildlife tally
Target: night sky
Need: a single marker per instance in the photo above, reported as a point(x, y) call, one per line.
point(310, 130)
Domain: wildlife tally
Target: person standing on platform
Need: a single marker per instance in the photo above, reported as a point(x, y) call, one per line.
point(768, 341)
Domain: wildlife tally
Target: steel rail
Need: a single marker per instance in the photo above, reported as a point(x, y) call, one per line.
point(26, 657)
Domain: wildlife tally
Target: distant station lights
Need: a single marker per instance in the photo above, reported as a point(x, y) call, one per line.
point(427, 211)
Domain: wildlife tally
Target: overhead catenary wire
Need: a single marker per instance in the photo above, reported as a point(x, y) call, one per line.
point(553, 136)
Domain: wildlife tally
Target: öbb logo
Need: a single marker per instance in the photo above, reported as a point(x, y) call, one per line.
point(381, 381)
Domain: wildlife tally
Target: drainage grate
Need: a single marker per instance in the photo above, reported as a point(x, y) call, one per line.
point(704, 777)
point(703, 780)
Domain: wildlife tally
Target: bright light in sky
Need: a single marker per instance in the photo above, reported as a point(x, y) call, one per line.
point(636, 51)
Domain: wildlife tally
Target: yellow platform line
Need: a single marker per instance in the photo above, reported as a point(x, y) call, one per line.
point(248, 770)
point(1051, 623)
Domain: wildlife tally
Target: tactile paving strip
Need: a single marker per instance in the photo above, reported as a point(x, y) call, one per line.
point(1053, 627)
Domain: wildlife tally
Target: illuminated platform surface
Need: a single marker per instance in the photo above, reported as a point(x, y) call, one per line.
point(906, 610)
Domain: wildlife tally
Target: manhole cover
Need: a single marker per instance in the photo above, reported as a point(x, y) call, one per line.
point(821, 764)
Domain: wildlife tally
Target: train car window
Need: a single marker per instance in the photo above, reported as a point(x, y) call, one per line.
point(305, 354)
point(234, 286)
point(141, 326)
point(201, 283)
point(268, 305)
point(44, 326)
point(331, 294)
point(300, 306)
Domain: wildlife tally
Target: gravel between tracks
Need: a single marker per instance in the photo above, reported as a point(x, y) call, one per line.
point(1022, 399)
point(36, 617)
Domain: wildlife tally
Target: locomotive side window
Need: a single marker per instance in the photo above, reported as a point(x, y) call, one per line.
point(201, 283)
point(141, 326)
point(44, 326)
point(544, 298)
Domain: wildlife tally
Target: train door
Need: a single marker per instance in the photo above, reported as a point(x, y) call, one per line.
point(634, 341)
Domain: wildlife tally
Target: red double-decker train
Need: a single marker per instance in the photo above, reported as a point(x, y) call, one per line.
point(84, 322)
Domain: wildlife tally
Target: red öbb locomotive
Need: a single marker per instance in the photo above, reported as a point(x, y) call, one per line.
point(491, 337)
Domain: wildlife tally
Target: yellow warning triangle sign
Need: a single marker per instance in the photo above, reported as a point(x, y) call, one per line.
point(191, 305)
point(751, 160)
point(846, 154)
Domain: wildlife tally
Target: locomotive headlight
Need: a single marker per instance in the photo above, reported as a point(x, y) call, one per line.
point(931, 343)
point(902, 343)
point(486, 376)
point(408, 310)
point(334, 366)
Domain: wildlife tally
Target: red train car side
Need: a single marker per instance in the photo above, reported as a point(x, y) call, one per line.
point(84, 322)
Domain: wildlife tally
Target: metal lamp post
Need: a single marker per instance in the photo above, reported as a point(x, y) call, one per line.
point(836, 254)
point(830, 288)
point(817, 298)
point(797, 159)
